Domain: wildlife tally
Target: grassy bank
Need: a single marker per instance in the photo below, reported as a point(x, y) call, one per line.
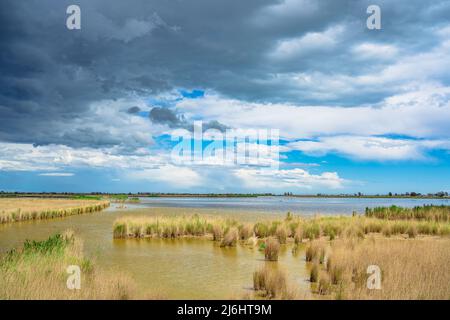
point(17, 209)
point(38, 271)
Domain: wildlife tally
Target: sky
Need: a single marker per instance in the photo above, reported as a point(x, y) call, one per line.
point(104, 108)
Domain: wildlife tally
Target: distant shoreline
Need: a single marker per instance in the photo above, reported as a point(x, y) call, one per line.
point(213, 195)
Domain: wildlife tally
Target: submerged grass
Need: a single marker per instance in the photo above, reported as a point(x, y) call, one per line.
point(19, 209)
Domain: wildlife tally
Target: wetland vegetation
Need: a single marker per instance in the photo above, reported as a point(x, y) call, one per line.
point(278, 257)
point(39, 271)
point(411, 246)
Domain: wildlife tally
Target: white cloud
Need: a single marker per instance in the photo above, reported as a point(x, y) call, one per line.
point(443, 32)
point(424, 66)
point(159, 169)
point(387, 67)
point(17, 165)
point(26, 157)
point(176, 176)
point(293, 178)
point(369, 50)
point(57, 174)
point(285, 9)
point(371, 148)
point(312, 41)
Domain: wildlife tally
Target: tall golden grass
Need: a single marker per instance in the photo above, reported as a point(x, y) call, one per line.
point(231, 237)
point(271, 283)
point(38, 271)
point(410, 268)
point(20, 209)
point(272, 248)
point(171, 226)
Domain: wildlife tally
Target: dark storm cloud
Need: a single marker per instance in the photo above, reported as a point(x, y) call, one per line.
point(168, 117)
point(133, 110)
point(50, 76)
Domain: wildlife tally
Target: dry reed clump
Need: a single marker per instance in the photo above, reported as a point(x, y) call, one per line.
point(292, 225)
point(261, 230)
point(354, 230)
point(387, 230)
point(314, 274)
point(316, 251)
point(272, 249)
point(298, 235)
point(281, 234)
point(324, 286)
point(217, 232)
point(412, 231)
point(272, 284)
point(411, 269)
point(312, 230)
point(245, 231)
point(38, 271)
point(20, 209)
point(231, 237)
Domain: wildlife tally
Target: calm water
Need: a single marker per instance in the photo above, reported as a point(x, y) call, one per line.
point(306, 206)
point(190, 268)
point(177, 269)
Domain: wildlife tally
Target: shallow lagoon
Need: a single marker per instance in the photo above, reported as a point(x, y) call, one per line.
point(191, 268)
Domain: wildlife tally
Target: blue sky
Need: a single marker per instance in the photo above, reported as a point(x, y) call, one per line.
point(99, 109)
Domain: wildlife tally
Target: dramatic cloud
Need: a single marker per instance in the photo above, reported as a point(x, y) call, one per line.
point(133, 110)
point(165, 116)
point(421, 113)
point(106, 95)
point(160, 169)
